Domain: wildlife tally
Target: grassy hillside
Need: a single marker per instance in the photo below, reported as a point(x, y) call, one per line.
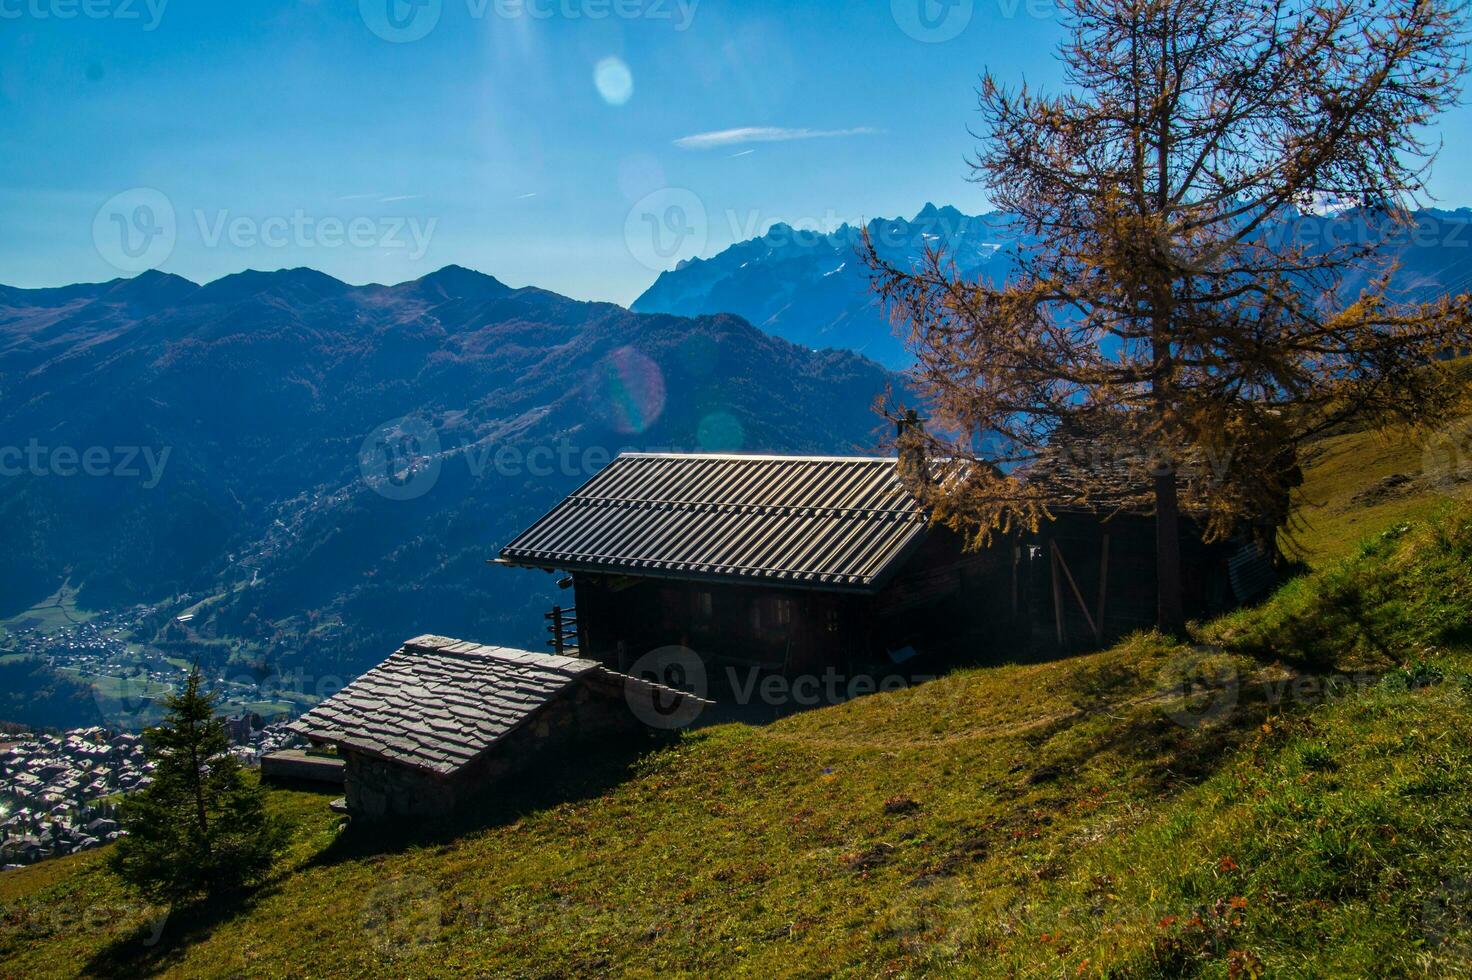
point(1359, 483)
point(1304, 811)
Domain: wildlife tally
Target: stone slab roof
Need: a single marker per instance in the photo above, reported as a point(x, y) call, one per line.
point(438, 703)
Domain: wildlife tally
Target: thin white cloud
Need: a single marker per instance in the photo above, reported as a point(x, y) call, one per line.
point(399, 197)
point(524, 197)
point(742, 153)
point(357, 197)
point(763, 134)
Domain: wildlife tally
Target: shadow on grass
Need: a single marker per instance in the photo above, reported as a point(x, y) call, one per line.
point(1355, 620)
point(161, 944)
point(562, 777)
point(1181, 748)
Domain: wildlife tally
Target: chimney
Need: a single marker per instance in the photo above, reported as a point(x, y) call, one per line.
point(909, 437)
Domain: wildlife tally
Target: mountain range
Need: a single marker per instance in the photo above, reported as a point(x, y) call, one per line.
point(318, 470)
point(334, 464)
point(813, 288)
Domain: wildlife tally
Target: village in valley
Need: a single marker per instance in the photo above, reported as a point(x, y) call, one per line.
point(116, 653)
point(58, 792)
point(59, 787)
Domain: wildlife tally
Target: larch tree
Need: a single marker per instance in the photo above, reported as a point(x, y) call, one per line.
point(1175, 292)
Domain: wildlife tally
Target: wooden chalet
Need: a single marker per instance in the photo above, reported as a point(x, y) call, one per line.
point(800, 564)
point(790, 563)
point(1091, 575)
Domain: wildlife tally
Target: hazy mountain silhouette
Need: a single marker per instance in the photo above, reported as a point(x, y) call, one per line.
point(250, 400)
point(814, 290)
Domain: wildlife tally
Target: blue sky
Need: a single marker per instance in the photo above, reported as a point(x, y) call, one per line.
point(559, 143)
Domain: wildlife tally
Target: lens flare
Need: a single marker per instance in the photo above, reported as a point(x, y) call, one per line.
point(720, 432)
point(614, 80)
point(629, 391)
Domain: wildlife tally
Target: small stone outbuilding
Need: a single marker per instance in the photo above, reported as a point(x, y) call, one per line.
point(442, 719)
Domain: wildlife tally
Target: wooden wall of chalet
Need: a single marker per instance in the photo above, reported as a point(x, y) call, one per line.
point(940, 595)
point(789, 630)
point(1080, 581)
point(946, 597)
point(1091, 579)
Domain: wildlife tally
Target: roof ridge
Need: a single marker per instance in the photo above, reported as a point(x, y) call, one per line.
point(774, 457)
point(447, 646)
point(759, 508)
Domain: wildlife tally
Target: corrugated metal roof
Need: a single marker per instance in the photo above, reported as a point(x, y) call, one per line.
point(438, 703)
point(821, 522)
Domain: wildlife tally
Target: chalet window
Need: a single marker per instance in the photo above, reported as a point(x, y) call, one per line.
point(670, 605)
point(705, 608)
point(771, 615)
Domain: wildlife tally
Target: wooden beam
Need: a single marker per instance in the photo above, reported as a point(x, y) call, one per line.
point(1057, 590)
point(1084, 606)
point(618, 583)
point(1016, 562)
point(1103, 579)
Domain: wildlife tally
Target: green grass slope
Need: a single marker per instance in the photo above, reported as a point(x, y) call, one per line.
point(1287, 795)
point(1358, 483)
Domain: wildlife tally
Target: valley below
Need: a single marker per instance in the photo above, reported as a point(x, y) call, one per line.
point(333, 467)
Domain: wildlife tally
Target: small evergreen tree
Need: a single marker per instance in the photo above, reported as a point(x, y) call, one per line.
point(200, 829)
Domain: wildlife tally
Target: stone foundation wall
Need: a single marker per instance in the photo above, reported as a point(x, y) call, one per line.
point(376, 789)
